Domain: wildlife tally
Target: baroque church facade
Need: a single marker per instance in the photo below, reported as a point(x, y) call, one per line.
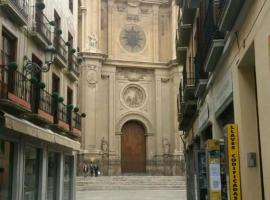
point(129, 86)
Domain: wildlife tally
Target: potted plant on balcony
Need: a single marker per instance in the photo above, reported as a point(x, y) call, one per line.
point(70, 107)
point(60, 99)
point(12, 66)
point(41, 85)
point(76, 109)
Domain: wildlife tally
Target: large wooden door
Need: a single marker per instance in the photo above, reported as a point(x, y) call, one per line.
point(133, 148)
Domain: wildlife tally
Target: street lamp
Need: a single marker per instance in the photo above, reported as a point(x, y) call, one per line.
point(33, 68)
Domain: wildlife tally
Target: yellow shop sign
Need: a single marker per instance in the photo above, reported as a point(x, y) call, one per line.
point(233, 162)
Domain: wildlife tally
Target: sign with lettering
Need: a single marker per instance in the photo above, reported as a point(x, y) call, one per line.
point(213, 154)
point(233, 162)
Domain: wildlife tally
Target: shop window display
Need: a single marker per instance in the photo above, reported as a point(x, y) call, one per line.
point(68, 168)
point(53, 160)
point(31, 173)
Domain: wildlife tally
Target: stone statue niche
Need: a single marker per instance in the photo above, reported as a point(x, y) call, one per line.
point(104, 146)
point(166, 147)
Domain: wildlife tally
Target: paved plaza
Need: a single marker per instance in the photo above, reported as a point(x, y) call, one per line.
point(131, 188)
point(132, 195)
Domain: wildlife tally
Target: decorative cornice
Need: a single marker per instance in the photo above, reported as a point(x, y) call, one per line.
point(94, 56)
point(138, 64)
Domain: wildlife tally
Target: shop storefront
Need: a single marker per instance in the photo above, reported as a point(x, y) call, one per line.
point(32, 168)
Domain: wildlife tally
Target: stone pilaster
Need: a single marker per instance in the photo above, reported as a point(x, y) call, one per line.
point(158, 113)
point(155, 33)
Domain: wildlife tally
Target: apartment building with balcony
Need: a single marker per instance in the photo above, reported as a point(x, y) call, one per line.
point(40, 119)
point(223, 46)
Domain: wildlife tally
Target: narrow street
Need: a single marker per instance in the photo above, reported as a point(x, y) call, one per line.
point(131, 188)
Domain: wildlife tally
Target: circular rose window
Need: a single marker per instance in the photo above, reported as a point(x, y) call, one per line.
point(133, 96)
point(132, 38)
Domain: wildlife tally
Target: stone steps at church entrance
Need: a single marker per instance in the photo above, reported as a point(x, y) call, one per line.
point(131, 183)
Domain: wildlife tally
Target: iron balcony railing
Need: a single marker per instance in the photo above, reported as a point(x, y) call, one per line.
point(199, 68)
point(188, 79)
point(73, 64)
point(15, 83)
point(60, 47)
point(46, 102)
point(62, 112)
point(22, 6)
point(211, 31)
point(76, 120)
point(43, 27)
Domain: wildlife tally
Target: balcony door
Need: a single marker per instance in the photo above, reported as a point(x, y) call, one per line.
point(69, 101)
point(8, 54)
point(55, 89)
point(35, 90)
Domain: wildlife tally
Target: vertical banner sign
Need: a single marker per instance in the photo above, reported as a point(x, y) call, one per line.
point(233, 162)
point(213, 154)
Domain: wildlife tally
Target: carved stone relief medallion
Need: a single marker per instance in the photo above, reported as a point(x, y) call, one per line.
point(133, 96)
point(92, 76)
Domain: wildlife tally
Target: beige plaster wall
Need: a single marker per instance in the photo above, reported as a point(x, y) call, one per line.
point(243, 52)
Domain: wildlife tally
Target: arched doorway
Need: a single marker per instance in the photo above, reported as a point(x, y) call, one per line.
point(133, 148)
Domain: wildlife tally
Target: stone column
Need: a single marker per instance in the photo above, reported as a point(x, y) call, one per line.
point(91, 75)
point(174, 93)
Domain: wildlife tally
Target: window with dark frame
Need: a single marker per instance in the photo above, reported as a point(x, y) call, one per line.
point(9, 47)
point(55, 89)
point(8, 54)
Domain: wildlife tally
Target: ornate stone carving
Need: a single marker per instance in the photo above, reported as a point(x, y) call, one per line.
point(105, 76)
point(134, 18)
point(104, 145)
point(166, 146)
point(144, 11)
point(133, 38)
point(92, 76)
point(133, 96)
point(93, 43)
point(134, 76)
point(165, 80)
point(121, 7)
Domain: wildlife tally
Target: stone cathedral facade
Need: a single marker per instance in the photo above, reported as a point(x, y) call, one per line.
point(129, 86)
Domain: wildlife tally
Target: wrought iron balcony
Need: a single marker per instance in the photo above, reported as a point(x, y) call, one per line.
point(229, 11)
point(188, 10)
point(188, 107)
point(213, 40)
point(76, 124)
point(184, 32)
point(200, 74)
point(15, 90)
point(63, 117)
point(45, 105)
point(42, 30)
point(18, 10)
point(73, 68)
point(61, 50)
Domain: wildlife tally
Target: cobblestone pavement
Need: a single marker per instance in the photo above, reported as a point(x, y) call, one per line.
point(132, 195)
